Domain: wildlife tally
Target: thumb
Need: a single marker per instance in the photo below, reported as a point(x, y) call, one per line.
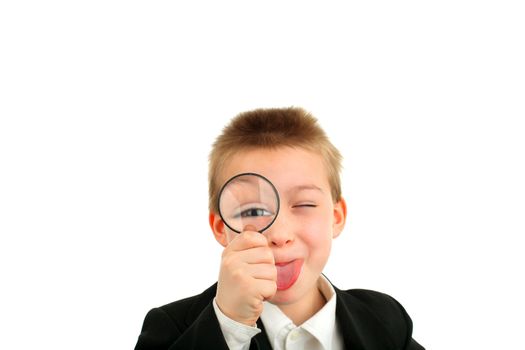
point(249, 228)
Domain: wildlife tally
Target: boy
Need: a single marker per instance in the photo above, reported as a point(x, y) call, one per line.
point(271, 293)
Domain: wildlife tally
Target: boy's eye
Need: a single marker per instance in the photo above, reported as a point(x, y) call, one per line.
point(309, 205)
point(254, 212)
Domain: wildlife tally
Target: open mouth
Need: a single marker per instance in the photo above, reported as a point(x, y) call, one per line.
point(288, 273)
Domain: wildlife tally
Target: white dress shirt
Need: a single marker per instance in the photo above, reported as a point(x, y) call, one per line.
point(319, 332)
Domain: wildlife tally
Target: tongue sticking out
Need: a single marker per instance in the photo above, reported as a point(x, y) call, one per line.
point(287, 273)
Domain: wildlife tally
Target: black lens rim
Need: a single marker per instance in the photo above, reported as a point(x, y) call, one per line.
point(245, 174)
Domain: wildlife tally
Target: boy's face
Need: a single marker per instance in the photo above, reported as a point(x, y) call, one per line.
point(308, 219)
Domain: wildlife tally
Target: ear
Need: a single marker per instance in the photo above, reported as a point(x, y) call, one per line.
point(339, 218)
point(217, 226)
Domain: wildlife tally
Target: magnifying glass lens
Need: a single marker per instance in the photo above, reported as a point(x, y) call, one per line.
point(248, 199)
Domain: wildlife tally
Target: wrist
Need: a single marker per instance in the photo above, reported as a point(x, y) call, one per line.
point(250, 322)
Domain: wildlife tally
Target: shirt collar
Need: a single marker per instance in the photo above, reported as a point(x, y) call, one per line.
point(321, 325)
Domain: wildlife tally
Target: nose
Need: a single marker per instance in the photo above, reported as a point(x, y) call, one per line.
point(280, 233)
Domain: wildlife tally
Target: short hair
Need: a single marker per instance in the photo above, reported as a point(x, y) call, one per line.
point(272, 128)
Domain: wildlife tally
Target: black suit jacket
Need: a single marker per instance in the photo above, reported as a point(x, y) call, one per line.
point(367, 320)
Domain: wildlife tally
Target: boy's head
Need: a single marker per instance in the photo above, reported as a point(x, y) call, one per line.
point(288, 147)
point(270, 129)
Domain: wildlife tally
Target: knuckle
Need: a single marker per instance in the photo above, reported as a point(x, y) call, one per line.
point(268, 255)
point(273, 273)
point(228, 262)
point(269, 290)
point(258, 307)
point(237, 275)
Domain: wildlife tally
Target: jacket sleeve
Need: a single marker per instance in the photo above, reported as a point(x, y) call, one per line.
point(161, 332)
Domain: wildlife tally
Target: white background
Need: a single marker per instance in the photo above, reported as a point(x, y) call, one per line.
point(108, 110)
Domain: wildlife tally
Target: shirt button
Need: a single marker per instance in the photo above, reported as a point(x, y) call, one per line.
point(294, 335)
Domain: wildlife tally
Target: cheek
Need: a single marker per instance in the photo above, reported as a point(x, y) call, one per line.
point(317, 233)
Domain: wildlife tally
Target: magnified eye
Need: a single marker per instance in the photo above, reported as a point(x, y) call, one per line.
point(254, 212)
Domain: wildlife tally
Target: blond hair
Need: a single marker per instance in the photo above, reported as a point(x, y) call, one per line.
point(270, 129)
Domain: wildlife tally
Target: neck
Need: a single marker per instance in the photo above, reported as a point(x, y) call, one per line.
point(305, 308)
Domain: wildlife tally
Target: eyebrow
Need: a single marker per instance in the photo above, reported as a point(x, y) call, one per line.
point(305, 188)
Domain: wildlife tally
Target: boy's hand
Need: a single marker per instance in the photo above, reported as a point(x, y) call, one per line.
point(247, 277)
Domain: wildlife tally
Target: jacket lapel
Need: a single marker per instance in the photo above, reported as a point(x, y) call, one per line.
point(260, 341)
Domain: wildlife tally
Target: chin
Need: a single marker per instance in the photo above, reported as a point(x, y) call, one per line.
point(287, 296)
point(282, 298)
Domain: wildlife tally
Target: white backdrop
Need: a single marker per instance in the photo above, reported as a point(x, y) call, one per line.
point(108, 110)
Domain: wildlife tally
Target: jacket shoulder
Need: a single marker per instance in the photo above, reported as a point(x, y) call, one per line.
point(185, 311)
point(381, 304)
point(381, 313)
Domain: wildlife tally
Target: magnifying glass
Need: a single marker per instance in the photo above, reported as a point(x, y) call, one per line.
point(248, 199)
